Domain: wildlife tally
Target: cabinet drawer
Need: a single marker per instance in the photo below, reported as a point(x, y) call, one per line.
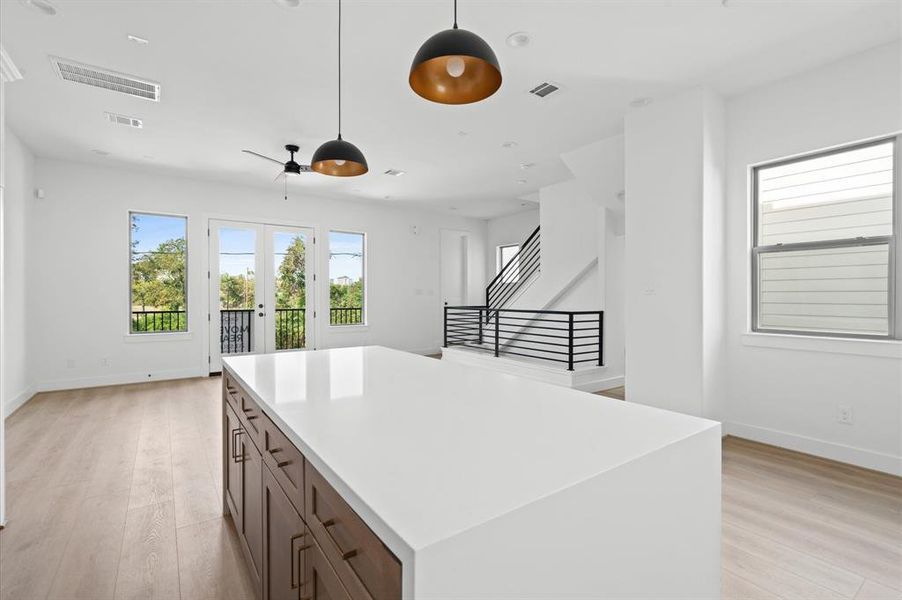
point(366, 567)
point(251, 416)
point(285, 462)
point(320, 580)
point(230, 389)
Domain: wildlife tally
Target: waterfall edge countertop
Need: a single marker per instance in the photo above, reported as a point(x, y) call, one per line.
point(428, 449)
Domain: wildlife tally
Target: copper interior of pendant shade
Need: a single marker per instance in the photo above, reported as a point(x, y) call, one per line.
point(430, 79)
point(331, 167)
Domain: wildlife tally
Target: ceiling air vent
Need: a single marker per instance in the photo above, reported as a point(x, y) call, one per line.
point(106, 79)
point(544, 89)
point(124, 120)
point(395, 172)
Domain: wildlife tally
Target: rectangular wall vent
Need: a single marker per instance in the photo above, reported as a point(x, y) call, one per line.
point(106, 79)
point(544, 89)
point(124, 120)
point(395, 172)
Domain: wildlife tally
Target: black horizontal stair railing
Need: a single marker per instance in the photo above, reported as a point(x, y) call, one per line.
point(514, 275)
point(572, 338)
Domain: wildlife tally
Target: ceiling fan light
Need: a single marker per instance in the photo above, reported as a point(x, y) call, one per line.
point(339, 158)
point(455, 66)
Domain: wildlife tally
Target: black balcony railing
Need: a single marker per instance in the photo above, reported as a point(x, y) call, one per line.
point(346, 316)
point(236, 327)
point(145, 321)
point(572, 338)
point(235, 330)
point(291, 328)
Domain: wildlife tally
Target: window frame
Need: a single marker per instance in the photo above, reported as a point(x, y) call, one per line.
point(179, 332)
point(891, 241)
point(498, 253)
point(364, 278)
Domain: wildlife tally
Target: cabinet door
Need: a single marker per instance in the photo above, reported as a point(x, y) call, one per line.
point(252, 503)
point(284, 541)
point(320, 581)
point(231, 460)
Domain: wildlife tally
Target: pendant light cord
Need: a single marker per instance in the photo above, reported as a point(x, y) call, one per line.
point(339, 69)
point(455, 14)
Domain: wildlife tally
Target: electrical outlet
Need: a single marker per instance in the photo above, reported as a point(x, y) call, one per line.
point(844, 414)
point(70, 363)
point(105, 361)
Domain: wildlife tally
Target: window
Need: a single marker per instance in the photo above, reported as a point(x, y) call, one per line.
point(158, 253)
point(825, 239)
point(347, 295)
point(506, 254)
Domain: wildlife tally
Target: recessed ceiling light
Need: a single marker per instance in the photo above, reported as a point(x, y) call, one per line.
point(288, 3)
point(640, 102)
point(395, 172)
point(518, 39)
point(462, 133)
point(453, 208)
point(386, 197)
point(42, 6)
point(509, 145)
point(521, 181)
point(138, 40)
point(100, 152)
point(524, 166)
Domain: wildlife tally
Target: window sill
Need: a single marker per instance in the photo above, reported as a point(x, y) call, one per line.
point(144, 338)
point(834, 345)
point(348, 328)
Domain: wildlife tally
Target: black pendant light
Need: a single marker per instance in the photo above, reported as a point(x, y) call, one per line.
point(338, 157)
point(455, 66)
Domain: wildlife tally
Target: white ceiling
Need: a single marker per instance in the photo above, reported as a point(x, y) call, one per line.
point(251, 74)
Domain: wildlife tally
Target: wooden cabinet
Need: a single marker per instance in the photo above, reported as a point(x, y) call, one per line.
point(366, 567)
point(300, 538)
point(251, 530)
point(231, 464)
point(285, 540)
point(321, 582)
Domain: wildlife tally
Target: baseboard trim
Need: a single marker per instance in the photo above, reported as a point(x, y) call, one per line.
point(609, 383)
point(868, 459)
point(119, 379)
point(17, 401)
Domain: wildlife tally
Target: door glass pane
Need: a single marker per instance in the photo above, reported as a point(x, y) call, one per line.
point(346, 278)
point(237, 284)
point(290, 272)
point(829, 290)
point(158, 273)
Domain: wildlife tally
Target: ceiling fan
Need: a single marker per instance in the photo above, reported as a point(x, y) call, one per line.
point(288, 168)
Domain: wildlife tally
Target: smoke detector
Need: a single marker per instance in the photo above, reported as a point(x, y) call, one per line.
point(130, 85)
point(124, 120)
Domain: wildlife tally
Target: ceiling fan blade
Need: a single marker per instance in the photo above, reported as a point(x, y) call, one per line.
point(305, 168)
point(262, 156)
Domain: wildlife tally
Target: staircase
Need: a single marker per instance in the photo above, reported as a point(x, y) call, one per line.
point(560, 347)
point(516, 275)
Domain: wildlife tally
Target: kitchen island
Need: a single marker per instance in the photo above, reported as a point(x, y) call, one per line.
point(373, 473)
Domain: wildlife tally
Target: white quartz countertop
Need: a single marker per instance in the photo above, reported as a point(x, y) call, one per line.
point(433, 448)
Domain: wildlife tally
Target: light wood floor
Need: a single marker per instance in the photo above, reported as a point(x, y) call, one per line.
point(114, 493)
point(618, 393)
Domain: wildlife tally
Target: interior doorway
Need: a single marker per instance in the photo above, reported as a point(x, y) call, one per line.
point(454, 255)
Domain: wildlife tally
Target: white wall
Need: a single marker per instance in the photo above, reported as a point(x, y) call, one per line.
point(671, 222)
point(78, 261)
point(18, 192)
point(507, 230)
point(790, 396)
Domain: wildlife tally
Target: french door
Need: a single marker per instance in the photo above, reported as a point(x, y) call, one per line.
point(261, 289)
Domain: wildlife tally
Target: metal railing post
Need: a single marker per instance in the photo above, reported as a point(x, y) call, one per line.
point(601, 339)
point(445, 345)
point(570, 344)
point(480, 327)
point(497, 313)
